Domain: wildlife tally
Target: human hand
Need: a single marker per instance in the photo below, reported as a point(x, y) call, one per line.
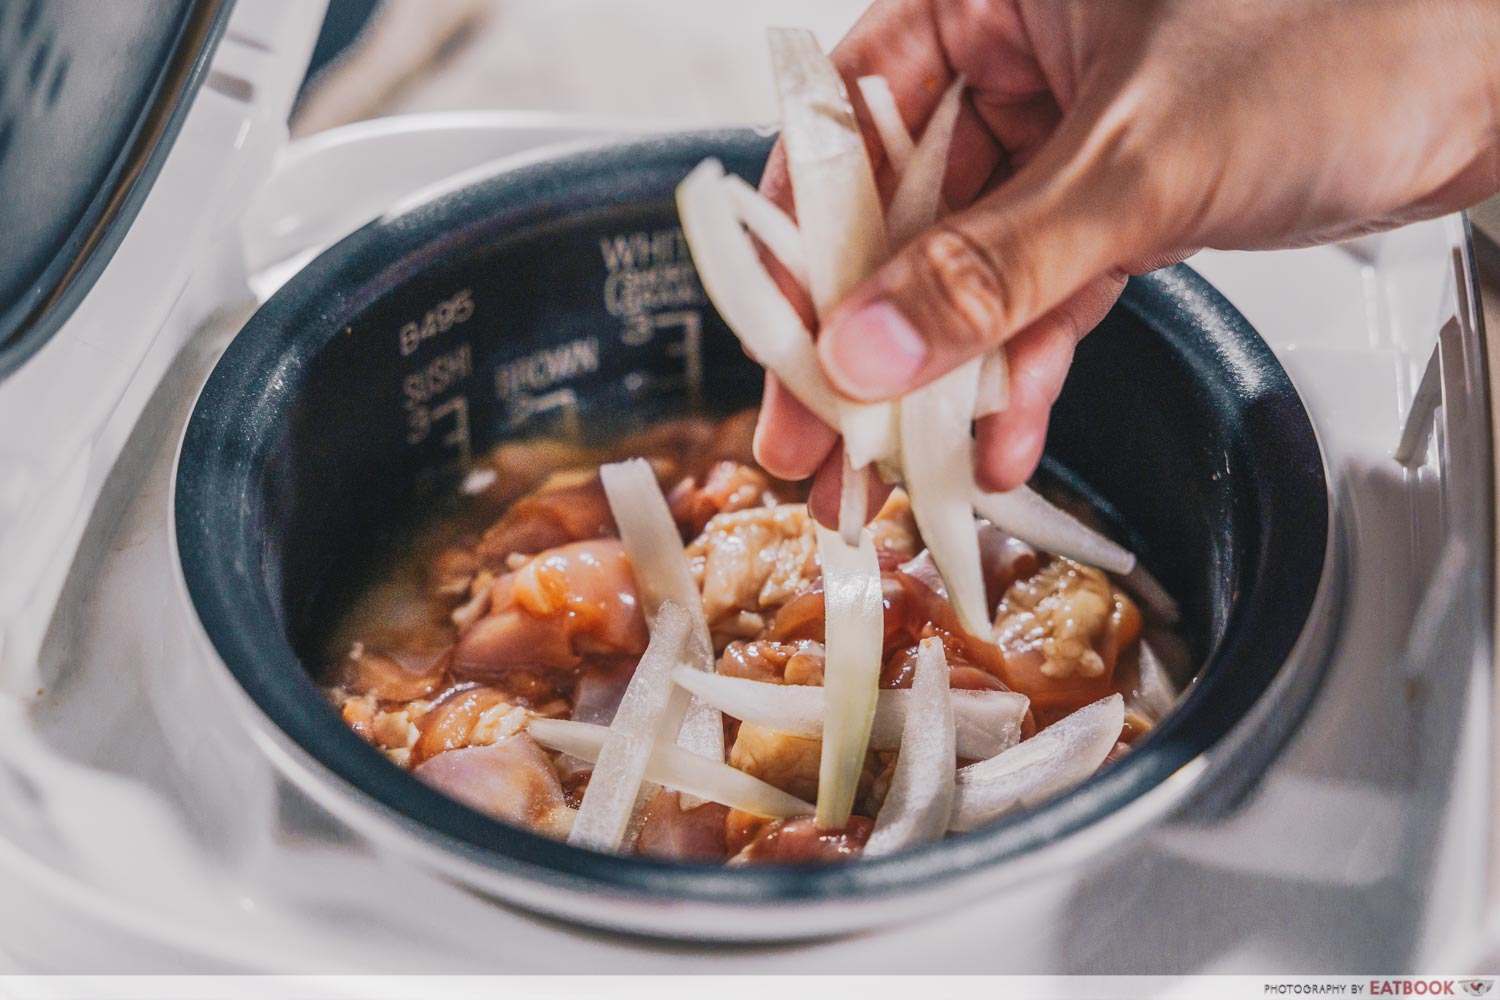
point(1102, 139)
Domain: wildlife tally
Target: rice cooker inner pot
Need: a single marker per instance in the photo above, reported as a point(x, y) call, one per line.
point(560, 298)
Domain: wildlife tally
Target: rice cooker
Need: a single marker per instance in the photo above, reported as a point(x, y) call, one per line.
point(210, 392)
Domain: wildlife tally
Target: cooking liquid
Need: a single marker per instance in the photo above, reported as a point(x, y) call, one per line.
point(509, 599)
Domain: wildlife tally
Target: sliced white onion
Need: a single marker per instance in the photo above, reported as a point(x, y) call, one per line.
point(609, 802)
point(1026, 514)
point(1151, 595)
point(937, 456)
point(918, 197)
point(672, 767)
point(651, 540)
point(660, 567)
point(771, 225)
point(920, 801)
point(854, 633)
point(854, 501)
point(987, 722)
point(994, 384)
point(1054, 760)
point(746, 295)
point(755, 310)
point(1155, 691)
point(838, 205)
point(869, 431)
point(895, 138)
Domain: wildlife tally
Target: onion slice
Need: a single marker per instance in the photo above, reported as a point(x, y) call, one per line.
point(1026, 514)
point(986, 722)
point(853, 622)
point(773, 227)
point(895, 138)
point(994, 384)
point(661, 572)
point(745, 294)
point(609, 802)
point(751, 304)
point(1155, 690)
point(854, 501)
point(919, 195)
point(1055, 759)
point(917, 807)
point(672, 767)
point(838, 205)
point(1151, 595)
point(937, 454)
point(885, 114)
point(869, 432)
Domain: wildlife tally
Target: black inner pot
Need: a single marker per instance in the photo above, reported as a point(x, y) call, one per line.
point(560, 297)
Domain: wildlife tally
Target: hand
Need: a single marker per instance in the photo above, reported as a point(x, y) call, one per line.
point(1101, 139)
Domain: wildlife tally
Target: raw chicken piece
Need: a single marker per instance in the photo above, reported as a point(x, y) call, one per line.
point(478, 603)
point(728, 487)
point(601, 684)
point(672, 833)
point(788, 762)
point(742, 625)
point(1004, 559)
point(1061, 612)
point(913, 612)
point(751, 560)
point(449, 724)
point(800, 842)
point(509, 639)
point(741, 827)
point(797, 662)
point(563, 604)
point(801, 618)
point(569, 508)
point(589, 587)
point(393, 730)
point(1062, 630)
point(511, 780)
point(899, 670)
point(758, 559)
point(895, 531)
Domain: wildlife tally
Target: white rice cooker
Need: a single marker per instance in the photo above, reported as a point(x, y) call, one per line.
point(154, 817)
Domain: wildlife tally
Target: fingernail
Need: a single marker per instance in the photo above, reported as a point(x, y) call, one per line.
point(872, 353)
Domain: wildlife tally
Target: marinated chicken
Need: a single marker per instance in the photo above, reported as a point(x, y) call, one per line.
point(522, 604)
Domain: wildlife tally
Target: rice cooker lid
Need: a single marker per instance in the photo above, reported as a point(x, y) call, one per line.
point(92, 97)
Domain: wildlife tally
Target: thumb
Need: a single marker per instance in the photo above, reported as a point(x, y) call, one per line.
point(980, 276)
